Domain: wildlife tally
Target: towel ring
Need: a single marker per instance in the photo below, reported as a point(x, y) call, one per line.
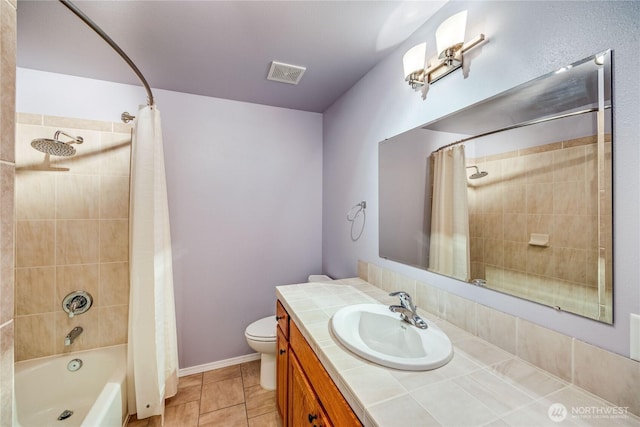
point(353, 214)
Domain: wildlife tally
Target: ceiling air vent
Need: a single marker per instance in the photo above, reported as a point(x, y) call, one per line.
point(285, 73)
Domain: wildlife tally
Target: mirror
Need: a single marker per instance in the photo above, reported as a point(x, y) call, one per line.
point(536, 196)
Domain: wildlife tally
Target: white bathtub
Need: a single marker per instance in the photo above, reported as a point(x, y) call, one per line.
point(96, 393)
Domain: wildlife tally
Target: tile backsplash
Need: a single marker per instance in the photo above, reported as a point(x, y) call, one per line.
point(608, 375)
point(71, 234)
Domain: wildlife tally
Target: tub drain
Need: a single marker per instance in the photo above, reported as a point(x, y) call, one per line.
point(64, 415)
point(74, 365)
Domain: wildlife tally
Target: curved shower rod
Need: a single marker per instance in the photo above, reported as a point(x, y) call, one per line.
point(73, 8)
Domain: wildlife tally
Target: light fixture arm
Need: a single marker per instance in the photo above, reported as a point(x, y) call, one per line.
point(450, 60)
point(416, 79)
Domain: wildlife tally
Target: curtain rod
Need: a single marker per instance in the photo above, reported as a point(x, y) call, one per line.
point(520, 125)
point(111, 43)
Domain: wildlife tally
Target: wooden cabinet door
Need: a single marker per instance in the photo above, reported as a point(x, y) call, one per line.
point(304, 407)
point(282, 372)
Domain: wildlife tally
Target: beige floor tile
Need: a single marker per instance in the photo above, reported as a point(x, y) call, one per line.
point(217, 399)
point(259, 401)
point(155, 421)
point(135, 422)
point(190, 380)
point(250, 373)
point(221, 394)
point(221, 374)
point(234, 416)
point(185, 415)
point(271, 419)
point(184, 395)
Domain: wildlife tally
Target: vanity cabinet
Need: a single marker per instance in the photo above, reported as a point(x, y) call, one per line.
point(305, 406)
point(306, 394)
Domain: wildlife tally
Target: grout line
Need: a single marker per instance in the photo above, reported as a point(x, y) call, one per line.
point(516, 340)
point(201, 392)
point(573, 366)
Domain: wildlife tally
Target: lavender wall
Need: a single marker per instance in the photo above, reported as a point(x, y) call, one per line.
point(245, 200)
point(245, 195)
point(526, 40)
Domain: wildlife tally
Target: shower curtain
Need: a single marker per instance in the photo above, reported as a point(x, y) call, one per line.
point(152, 347)
point(449, 246)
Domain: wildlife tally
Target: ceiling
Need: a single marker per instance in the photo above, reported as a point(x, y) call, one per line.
point(222, 49)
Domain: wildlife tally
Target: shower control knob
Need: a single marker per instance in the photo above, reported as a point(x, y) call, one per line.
point(77, 302)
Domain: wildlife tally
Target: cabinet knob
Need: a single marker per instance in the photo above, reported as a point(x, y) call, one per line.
point(279, 317)
point(282, 351)
point(312, 417)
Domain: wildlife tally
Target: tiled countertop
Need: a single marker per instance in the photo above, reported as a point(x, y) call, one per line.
point(482, 385)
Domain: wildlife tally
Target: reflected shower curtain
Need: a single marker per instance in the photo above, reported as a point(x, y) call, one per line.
point(152, 348)
point(449, 246)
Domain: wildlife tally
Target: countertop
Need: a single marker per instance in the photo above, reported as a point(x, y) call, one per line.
point(482, 385)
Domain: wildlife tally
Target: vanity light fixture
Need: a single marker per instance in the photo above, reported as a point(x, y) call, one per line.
point(413, 62)
point(451, 46)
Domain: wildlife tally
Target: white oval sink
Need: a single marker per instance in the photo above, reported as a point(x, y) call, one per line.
point(375, 333)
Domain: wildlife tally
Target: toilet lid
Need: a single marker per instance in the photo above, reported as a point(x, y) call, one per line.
point(263, 329)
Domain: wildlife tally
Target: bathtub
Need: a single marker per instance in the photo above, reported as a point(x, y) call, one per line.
point(96, 392)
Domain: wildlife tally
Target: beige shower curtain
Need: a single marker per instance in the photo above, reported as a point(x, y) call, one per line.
point(153, 354)
point(449, 246)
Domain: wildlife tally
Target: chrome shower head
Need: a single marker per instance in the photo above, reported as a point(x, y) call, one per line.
point(55, 147)
point(478, 174)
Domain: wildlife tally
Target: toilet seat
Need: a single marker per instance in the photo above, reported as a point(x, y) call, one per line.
point(263, 330)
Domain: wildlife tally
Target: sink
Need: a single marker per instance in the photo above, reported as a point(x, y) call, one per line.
point(376, 334)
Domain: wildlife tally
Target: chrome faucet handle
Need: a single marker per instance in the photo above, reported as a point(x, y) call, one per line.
point(405, 300)
point(408, 311)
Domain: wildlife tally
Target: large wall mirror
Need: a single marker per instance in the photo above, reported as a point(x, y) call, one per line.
point(513, 193)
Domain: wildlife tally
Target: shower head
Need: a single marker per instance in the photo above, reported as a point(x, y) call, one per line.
point(55, 147)
point(478, 174)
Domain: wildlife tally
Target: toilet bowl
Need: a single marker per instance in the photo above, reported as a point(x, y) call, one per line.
point(261, 337)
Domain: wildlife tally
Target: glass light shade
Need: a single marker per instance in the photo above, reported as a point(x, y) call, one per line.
point(414, 59)
point(451, 31)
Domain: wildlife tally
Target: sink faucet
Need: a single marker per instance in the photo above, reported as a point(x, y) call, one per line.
point(408, 311)
point(72, 335)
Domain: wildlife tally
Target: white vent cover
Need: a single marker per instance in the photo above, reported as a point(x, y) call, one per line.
point(285, 73)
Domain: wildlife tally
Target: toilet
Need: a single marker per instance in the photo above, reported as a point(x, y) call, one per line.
point(319, 278)
point(261, 337)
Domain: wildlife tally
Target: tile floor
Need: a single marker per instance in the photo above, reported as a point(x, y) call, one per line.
point(229, 397)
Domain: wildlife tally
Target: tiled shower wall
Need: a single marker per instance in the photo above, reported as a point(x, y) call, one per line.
point(550, 190)
point(71, 234)
point(7, 168)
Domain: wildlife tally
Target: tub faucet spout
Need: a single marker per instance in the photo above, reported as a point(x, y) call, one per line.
point(72, 335)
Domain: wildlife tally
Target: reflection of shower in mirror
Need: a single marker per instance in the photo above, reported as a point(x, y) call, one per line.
point(536, 215)
point(478, 174)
